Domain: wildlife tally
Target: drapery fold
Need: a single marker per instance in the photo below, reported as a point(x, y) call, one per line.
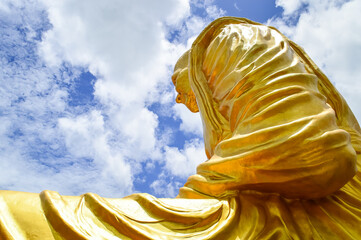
point(138, 216)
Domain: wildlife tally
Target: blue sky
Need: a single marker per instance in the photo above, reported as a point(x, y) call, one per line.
point(86, 100)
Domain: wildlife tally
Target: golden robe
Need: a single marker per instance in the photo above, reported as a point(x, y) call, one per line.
point(283, 150)
point(280, 138)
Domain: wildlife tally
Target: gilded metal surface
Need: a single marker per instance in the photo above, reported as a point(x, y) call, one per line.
point(283, 149)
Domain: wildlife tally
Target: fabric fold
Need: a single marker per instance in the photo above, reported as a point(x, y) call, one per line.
point(138, 216)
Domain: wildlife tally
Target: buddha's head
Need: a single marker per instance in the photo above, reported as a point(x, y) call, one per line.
point(180, 80)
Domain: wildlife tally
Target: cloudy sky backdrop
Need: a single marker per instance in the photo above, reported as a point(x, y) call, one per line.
point(86, 100)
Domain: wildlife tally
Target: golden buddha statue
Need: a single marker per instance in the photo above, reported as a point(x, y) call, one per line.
point(283, 149)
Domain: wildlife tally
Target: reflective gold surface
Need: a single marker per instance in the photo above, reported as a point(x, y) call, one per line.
point(283, 149)
point(139, 216)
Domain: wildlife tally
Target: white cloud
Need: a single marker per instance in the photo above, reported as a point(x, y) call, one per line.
point(124, 45)
point(289, 6)
point(214, 12)
point(179, 164)
point(181, 10)
point(121, 42)
point(191, 122)
point(183, 163)
point(29, 99)
point(329, 33)
point(165, 188)
point(85, 134)
point(86, 137)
